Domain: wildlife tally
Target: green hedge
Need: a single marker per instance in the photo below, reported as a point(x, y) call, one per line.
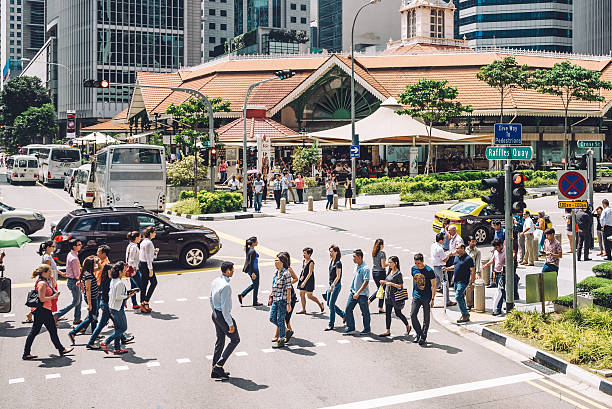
point(591, 283)
point(603, 269)
point(565, 300)
point(603, 296)
point(207, 202)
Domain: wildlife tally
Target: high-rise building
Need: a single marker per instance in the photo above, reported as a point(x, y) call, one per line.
point(591, 27)
point(544, 25)
point(22, 33)
point(292, 15)
point(113, 39)
point(375, 27)
point(217, 25)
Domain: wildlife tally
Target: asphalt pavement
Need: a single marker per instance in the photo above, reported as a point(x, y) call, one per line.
point(168, 365)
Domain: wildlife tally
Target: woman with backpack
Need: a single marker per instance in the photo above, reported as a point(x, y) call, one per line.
point(47, 295)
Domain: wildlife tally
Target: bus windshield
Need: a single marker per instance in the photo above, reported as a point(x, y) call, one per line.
point(134, 156)
point(65, 155)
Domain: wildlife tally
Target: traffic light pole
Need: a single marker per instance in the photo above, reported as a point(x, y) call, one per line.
point(508, 242)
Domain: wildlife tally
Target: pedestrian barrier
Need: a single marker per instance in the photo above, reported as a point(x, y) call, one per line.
point(486, 272)
point(479, 295)
point(283, 206)
point(335, 207)
point(310, 204)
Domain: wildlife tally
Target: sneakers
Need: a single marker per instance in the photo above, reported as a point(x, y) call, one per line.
point(104, 347)
point(288, 335)
point(218, 373)
point(464, 318)
point(279, 344)
point(422, 342)
point(136, 307)
point(496, 313)
point(347, 331)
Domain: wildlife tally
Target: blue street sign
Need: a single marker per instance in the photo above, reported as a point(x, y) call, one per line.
point(508, 134)
point(354, 151)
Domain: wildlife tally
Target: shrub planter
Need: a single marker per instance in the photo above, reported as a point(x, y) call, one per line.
point(173, 192)
point(560, 309)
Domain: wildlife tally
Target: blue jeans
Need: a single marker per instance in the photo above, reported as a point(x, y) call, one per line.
point(120, 322)
point(460, 297)
point(277, 316)
point(362, 300)
point(104, 317)
point(332, 297)
point(92, 318)
point(258, 197)
point(284, 194)
point(549, 267)
point(76, 300)
point(330, 202)
point(253, 287)
point(135, 283)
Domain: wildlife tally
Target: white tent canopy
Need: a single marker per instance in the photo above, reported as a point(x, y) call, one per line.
point(96, 137)
point(385, 126)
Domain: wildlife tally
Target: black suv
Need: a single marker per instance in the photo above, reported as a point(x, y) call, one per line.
point(190, 245)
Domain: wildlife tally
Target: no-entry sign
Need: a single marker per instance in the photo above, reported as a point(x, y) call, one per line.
point(572, 184)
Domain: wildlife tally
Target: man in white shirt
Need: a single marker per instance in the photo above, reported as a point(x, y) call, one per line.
point(606, 226)
point(439, 258)
point(528, 230)
point(258, 187)
point(225, 325)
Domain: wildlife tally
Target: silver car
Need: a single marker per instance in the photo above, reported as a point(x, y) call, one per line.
point(27, 221)
point(69, 180)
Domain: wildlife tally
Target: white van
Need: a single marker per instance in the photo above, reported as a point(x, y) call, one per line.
point(56, 162)
point(83, 186)
point(22, 168)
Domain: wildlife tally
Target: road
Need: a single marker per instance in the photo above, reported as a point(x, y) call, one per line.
point(168, 365)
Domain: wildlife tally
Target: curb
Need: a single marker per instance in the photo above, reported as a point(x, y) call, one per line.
point(544, 358)
point(204, 218)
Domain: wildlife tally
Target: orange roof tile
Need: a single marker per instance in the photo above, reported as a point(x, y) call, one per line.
point(234, 131)
point(108, 126)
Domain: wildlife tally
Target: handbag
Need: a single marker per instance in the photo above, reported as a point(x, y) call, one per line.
point(131, 272)
point(401, 295)
point(380, 294)
point(33, 300)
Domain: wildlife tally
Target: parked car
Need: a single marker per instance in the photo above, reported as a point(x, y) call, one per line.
point(190, 245)
point(28, 221)
point(69, 180)
point(83, 188)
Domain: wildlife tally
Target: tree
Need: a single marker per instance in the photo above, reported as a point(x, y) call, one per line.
point(19, 94)
point(34, 125)
point(305, 157)
point(570, 82)
point(504, 75)
point(433, 101)
point(192, 116)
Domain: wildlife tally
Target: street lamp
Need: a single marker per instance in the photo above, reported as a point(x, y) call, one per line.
point(282, 75)
point(354, 138)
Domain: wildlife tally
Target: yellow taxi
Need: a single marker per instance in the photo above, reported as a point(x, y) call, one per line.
point(473, 217)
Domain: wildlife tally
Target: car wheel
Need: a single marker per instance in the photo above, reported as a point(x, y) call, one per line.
point(18, 226)
point(481, 235)
point(194, 256)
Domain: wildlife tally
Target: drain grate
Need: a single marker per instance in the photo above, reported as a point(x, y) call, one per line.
point(538, 367)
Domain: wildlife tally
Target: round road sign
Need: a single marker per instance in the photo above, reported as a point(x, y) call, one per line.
point(572, 185)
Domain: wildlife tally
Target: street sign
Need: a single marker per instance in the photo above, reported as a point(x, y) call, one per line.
point(206, 144)
point(354, 151)
point(508, 134)
point(509, 152)
point(590, 144)
point(572, 184)
point(569, 204)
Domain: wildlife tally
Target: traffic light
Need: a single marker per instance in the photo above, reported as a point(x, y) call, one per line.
point(284, 74)
point(213, 156)
point(584, 163)
point(518, 192)
point(204, 155)
point(96, 84)
point(496, 198)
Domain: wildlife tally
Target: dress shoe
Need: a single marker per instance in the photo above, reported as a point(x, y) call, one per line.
point(451, 304)
point(218, 373)
point(257, 304)
point(464, 318)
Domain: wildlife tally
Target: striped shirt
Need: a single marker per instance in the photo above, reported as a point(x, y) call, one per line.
point(95, 290)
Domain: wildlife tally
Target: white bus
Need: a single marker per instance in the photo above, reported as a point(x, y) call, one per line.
point(34, 149)
point(55, 162)
point(130, 175)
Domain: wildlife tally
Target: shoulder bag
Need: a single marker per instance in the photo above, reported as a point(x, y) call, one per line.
point(33, 300)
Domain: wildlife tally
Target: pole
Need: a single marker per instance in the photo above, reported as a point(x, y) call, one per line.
point(508, 239)
point(592, 174)
point(575, 302)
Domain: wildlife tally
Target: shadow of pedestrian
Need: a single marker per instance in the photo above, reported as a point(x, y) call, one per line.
point(10, 331)
point(135, 359)
point(449, 349)
point(246, 384)
point(55, 361)
point(165, 317)
point(262, 308)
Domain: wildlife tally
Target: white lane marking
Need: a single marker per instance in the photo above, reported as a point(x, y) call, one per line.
point(152, 364)
point(263, 291)
point(16, 380)
point(183, 360)
point(9, 315)
point(344, 341)
point(242, 353)
point(88, 371)
point(294, 347)
point(437, 392)
point(406, 250)
point(53, 376)
point(121, 368)
point(204, 297)
point(209, 357)
point(431, 331)
point(318, 344)
point(369, 339)
point(158, 302)
point(318, 285)
point(182, 299)
point(267, 350)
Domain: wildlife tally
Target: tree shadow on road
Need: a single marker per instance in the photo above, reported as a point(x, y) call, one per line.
point(246, 384)
point(449, 349)
point(8, 330)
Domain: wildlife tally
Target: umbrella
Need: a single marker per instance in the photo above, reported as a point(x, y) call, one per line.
point(250, 172)
point(12, 238)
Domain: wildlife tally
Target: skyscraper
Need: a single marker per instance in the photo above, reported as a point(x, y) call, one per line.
point(591, 27)
point(288, 14)
point(544, 25)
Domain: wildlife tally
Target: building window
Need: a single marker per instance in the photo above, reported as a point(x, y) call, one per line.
point(13, 26)
point(12, 42)
point(223, 1)
point(212, 40)
point(18, 42)
point(223, 40)
point(223, 13)
point(437, 23)
point(303, 7)
point(223, 27)
point(411, 32)
point(19, 51)
point(18, 26)
point(12, 9)
point(13, 51)
point(211, 26)
point(211, 12)
point(293, 6)
point(303, 21)
point(293, 20)
point(211, 53)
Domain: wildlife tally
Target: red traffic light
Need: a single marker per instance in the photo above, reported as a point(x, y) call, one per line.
point(104, 84)
point(519, 178)
point(213, 151)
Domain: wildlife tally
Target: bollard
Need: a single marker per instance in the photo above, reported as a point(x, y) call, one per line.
point(283, 208)
point(310, 204)
point(479, 295)
point(486, 272)
point(335, 202)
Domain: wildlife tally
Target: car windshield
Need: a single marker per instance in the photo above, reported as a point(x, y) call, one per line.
point(65, 155)
point(132, 156)
point(62, 223)
point(167, 220)
point(464, 207)
point(6, 207)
